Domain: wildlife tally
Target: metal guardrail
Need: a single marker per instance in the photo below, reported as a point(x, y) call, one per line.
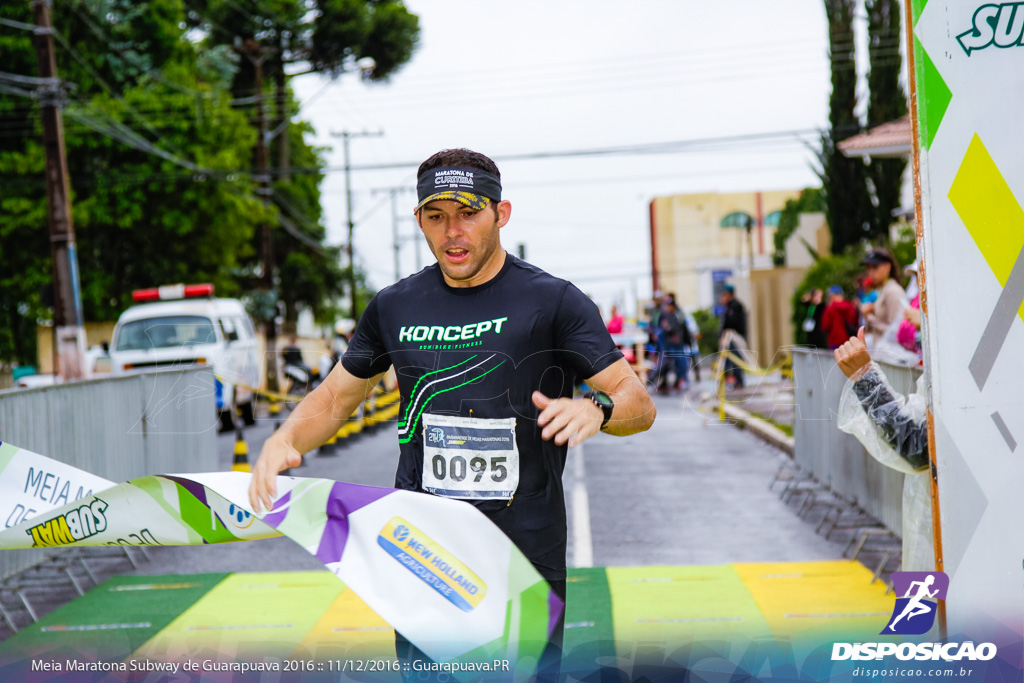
point(117, 428)
point(834, 458)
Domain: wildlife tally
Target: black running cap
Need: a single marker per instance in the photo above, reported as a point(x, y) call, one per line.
point(469, 186)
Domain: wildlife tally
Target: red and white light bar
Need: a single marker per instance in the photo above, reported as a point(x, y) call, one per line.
point(170, 292)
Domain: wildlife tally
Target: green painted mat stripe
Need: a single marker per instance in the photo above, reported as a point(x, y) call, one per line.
point(588, 615)
point(118, 602)
point(678, 604)
point(250, 612)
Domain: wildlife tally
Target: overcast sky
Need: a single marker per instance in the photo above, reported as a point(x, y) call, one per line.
point(505, 78)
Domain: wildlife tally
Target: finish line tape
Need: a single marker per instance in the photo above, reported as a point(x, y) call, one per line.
point(467, 595)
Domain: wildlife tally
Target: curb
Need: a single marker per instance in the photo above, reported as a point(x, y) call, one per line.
point(761, 429)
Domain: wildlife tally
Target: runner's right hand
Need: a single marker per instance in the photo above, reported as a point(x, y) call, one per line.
point(275, 457)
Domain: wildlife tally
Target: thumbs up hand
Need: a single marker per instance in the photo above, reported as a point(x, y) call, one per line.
point(853, 355)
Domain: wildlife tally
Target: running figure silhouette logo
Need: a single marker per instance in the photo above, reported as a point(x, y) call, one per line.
point(914, 613)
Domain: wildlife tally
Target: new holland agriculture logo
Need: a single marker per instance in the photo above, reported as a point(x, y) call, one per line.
point(914, 615)
point(999, 25)
point(437, 567)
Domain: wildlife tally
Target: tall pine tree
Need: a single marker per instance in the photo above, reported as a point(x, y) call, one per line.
point(885, 103)
point(848, 206)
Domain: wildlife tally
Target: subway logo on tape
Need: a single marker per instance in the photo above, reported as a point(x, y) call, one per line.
point(437, 567)
point(74, 525)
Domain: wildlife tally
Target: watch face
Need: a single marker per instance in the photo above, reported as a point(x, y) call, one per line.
point(603, 399)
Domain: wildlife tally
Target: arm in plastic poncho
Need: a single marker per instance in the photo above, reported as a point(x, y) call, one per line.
point(892, 428)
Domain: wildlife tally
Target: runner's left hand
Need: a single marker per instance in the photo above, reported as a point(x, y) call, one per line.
point(565, 419)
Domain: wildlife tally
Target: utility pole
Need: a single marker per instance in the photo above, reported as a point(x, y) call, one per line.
point(396, 239)
point(346, 136)
point(257, 56)
point(69, 331)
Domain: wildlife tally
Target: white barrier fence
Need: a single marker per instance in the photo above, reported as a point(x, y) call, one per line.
point(836, 459)
point(117, 428)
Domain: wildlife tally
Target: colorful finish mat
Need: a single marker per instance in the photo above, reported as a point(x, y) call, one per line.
point(614, 612)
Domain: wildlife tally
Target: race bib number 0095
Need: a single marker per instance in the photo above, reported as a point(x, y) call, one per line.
point(469, 458)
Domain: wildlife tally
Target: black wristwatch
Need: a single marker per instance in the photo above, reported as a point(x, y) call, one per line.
point(602, 401)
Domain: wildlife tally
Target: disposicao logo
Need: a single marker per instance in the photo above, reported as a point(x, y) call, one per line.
point(914, 614)
point(434, 565)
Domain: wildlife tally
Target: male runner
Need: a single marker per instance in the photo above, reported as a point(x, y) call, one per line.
point(479, 341)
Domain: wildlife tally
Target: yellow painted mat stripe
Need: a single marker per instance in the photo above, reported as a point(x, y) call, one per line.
point(675, 605)
point(263, 613)
point(810, 598)
point(746, 601)
point(349, 629)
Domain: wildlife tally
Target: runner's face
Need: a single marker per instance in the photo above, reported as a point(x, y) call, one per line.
point(465, 242)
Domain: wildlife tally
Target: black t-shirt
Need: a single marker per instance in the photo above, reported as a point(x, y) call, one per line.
point(481, 352)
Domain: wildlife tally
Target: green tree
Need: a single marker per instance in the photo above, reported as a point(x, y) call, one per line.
point(325, 36)
point(708, 325)
point(809, 201)
point(838, 269)
point(310, 275)
point(886, 102)
point(153, 145)
point(844, 189)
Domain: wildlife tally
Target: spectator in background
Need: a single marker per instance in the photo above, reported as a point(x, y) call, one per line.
point(869, 294)
point(676, 340)
point(615, 322)
point(910, 272)
point(694, 349)
point(909, 333)
point(813, 310)
point(839, 322)
point(884, 272)
point(734, 319)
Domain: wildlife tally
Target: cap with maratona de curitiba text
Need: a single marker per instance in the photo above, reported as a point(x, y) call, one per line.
point(469, 186)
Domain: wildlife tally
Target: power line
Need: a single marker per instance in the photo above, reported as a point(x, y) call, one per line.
point(295, 232)
point(115, 130)
point(633, 69)
point(679, 146)
point(495, 95)
point(12, 90)
point(81, 60)
point(634, 62)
